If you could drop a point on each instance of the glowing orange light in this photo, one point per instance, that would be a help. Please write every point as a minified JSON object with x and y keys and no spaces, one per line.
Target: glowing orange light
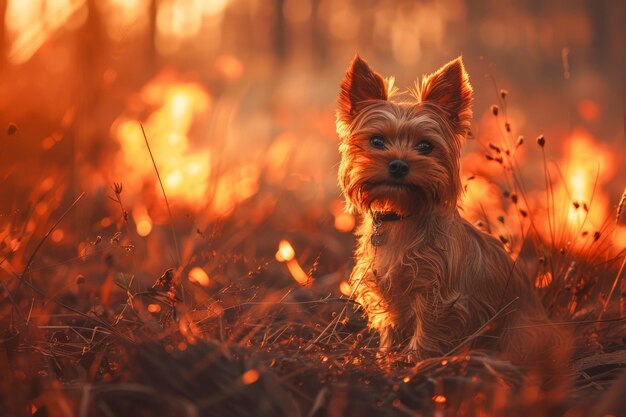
{"x":57,"y":235}
{"x":198,"y":275}
{"x":41,"y":208}
{"x":180,"y":20}
{"x":214,"y":310}
{"x":14,"y":244}
{"x":143,"y":222}
{"x":46,"y":184}
{"x":124,"y":16}
{"x":580,"y":203}
{"x":298,"y":273}
{"x":250,"y":376}
{"x":285,"y":251}
{"x":154,"y":308}
{"x":439,"y":399}
{"x":174,"y":179}
{"x":588,"y":110}
{"x":543,"y":280}
{"x":31,"y":23}
{"x":345,"y":288}
{"x":184,"y":168}
{"x":345,"y":222}
{"x":619,"y":238}
{"x":482,"y":201}
{"x":287,"y":254}
{"x":144,"y":227}
{"x":230,"y":66}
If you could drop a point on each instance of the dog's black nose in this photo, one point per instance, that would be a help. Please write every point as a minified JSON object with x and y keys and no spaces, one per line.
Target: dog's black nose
{"x":398,"y":168}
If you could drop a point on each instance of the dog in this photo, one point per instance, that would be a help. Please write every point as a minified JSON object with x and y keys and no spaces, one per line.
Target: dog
{"x":429,"y":282}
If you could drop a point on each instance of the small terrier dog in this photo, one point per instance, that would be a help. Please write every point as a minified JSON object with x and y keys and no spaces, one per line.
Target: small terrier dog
{"x":428,"y":280}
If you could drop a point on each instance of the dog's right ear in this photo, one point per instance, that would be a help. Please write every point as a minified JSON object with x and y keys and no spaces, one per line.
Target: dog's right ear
{"x":360,"y":85}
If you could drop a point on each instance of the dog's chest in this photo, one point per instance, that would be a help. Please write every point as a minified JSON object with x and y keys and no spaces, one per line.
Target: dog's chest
{"x":402,"y":272}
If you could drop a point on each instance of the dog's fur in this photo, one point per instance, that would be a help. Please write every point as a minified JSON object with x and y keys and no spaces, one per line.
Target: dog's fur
{"x":435,"y":282}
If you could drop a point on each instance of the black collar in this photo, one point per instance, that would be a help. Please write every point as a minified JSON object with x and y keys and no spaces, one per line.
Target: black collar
{"x":387,"y":216}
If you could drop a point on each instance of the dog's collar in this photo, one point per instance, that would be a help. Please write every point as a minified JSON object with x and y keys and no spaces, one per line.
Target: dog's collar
{"x":379,"y":217}
{"x":387,"y":216}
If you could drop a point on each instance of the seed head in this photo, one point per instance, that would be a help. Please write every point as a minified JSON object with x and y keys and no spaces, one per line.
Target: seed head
{"x":495,"y":148}
{"x":541,"y":140}
{"x":11,"y":129}
{"x":620,"y":206}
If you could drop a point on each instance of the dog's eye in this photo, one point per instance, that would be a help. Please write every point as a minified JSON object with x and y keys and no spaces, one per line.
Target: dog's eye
{"x":424,"y":147}
{"x":377,"y":142}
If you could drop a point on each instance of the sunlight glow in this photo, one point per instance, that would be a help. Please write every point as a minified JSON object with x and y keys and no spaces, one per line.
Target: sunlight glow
{"x":31,"y":23}
{"x":198,"y":275}
{"x":285,"y":251}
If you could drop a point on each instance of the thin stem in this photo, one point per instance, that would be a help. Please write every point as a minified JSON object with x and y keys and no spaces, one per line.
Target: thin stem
{"x":167,"y":203}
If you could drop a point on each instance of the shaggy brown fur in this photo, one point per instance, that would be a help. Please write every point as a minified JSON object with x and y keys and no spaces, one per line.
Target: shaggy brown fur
{"x":426,"y":278}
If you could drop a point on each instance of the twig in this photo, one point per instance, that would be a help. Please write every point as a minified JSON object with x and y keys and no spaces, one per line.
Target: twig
{"x":167,"y":203}
{"x":608,"y":298}
{"x":54,"y":226}
{"x":567,"y":323}
{"x":611,"y":358}
{"x":481,"y":328}
{"x":7,"y":256}
{"x":12,"y":300}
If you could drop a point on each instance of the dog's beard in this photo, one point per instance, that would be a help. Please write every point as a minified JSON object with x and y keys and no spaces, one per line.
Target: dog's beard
{"x":369,"y":191}
{"x":402,"y":198}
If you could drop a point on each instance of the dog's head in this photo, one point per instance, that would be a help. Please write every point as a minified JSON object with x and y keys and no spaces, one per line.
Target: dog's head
{"x":402,"y":156}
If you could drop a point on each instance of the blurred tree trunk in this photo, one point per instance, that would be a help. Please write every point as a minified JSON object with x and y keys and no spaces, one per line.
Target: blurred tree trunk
{"x":152,"y":35}
{"x":598,"y":12}
{"x":90,"y":61}
{"x":3,"y":35}
{"x":92,"y":47}
{"x":319,"y":39}
{"x":280,"y":32}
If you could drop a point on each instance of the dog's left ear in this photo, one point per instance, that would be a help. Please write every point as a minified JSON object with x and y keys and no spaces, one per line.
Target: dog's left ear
{"x":360,"y":85}
{"x":449,"y":87}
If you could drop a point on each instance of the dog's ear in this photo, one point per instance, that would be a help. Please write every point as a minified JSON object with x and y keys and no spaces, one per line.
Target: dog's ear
{"x":449,"y":88}
{"x":360,"y":84}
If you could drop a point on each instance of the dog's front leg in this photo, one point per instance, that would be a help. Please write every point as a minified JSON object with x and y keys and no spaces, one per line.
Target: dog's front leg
{"x":386,"y":340}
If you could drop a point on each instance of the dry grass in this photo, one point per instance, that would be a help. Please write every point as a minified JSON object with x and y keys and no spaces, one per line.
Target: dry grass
{"x":101,"y":334}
